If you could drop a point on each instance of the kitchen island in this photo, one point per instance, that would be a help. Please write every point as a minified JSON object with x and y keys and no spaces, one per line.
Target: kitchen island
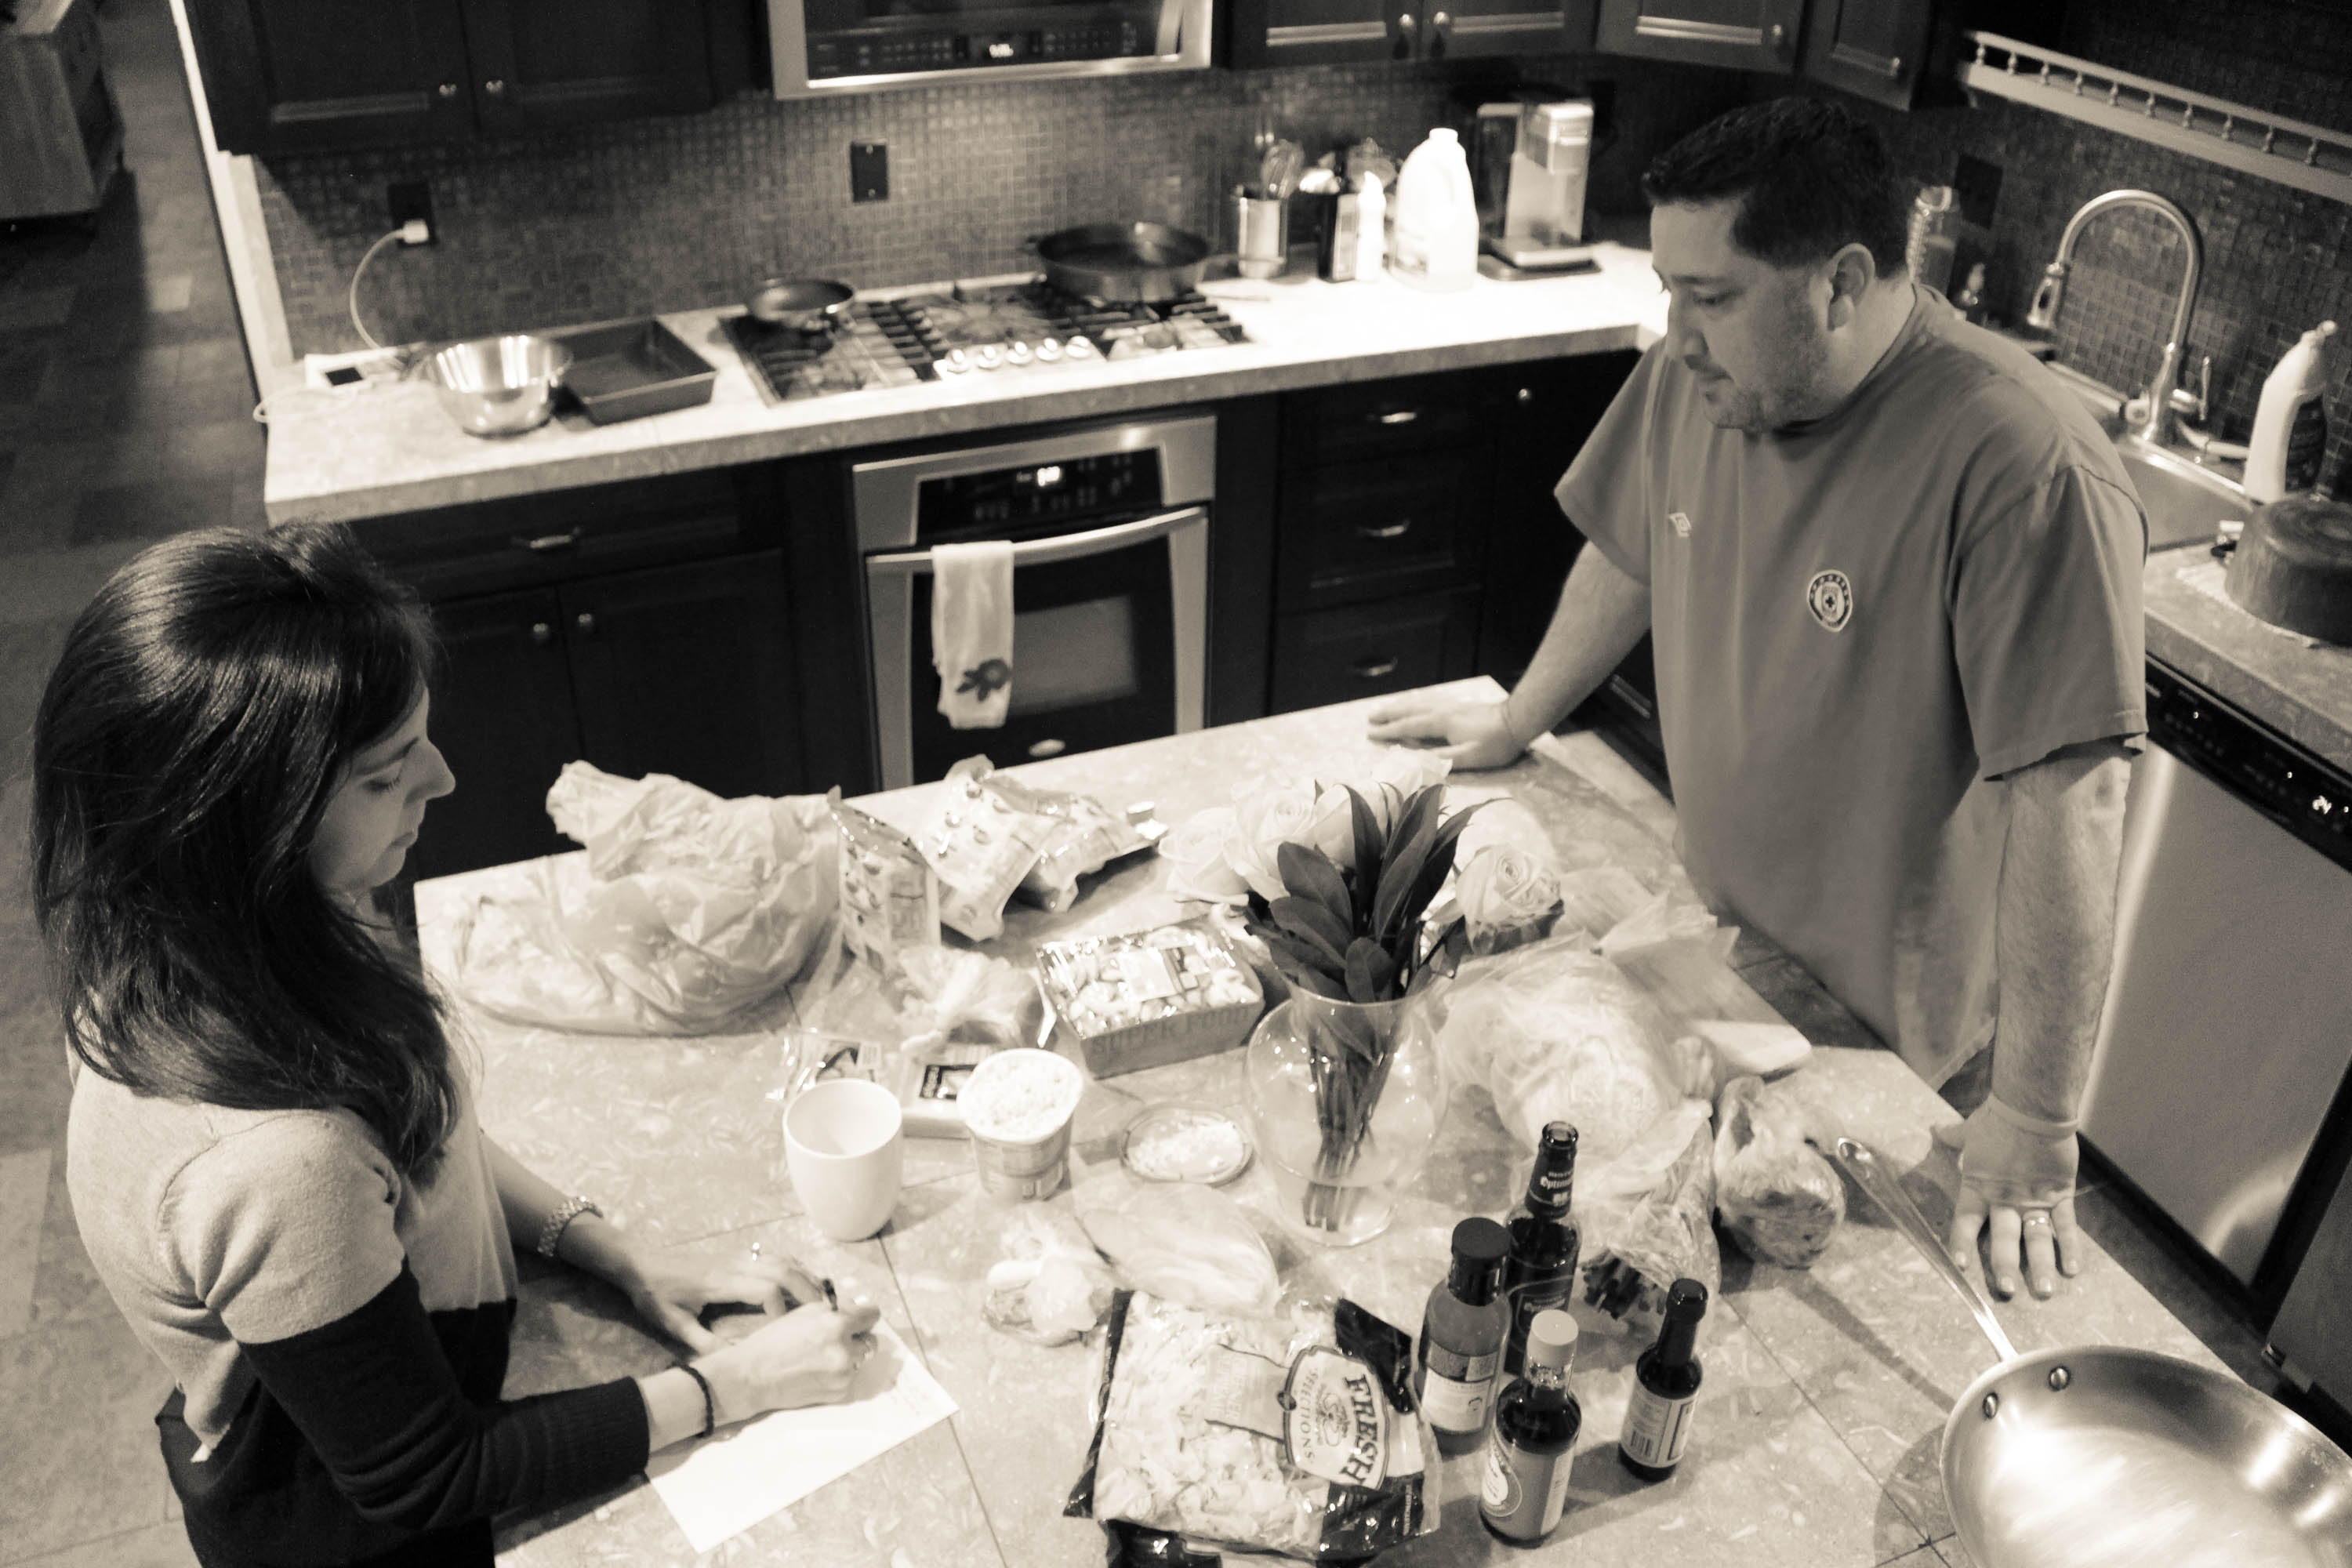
{"x":1826,"y":1389}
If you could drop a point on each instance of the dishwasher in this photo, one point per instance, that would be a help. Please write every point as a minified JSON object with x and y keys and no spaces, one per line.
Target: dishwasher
{"x":2218,"y":1085}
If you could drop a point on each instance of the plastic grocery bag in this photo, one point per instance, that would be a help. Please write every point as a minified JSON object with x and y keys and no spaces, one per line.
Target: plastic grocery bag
{"x":1647,"y":1219}
{"x":686,"y":909}
{"x":1296,"y":1434}
{"x":1186,"y":1244}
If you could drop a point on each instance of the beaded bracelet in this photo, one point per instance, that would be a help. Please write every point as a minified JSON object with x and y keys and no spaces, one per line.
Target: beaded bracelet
{"x":709,"y":1400}
{"x":551,"y":1234}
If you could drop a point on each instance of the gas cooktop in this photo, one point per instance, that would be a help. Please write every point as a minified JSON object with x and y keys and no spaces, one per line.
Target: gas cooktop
{"x":1025,"y":328}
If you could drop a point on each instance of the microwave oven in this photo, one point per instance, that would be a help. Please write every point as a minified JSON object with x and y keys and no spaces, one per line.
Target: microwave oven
{"x":827,"y":46}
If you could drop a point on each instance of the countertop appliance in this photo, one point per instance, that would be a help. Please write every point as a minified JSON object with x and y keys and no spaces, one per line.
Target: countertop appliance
{"x":2218,"y":1085}
{"x":1021,"y":326}
{"x":822,"y":47}
{"x":1109,"y":524}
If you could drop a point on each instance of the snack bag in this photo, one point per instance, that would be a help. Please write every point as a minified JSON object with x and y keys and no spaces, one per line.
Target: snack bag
{"x":1296,"y":1434}
{"x":982,"y":845}
{"x":1086,"y":837}
{"x":889,"y":899}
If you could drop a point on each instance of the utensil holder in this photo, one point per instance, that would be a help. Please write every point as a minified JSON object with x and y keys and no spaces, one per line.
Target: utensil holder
{"x":1261,"y":234}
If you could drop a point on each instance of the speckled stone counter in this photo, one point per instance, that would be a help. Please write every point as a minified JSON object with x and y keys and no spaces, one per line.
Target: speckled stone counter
{"x":1826,"y":1389}
{"x":2300,"y":688}
{"x":393,"y":449}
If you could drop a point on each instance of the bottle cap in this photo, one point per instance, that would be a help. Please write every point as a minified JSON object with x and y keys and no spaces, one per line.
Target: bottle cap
{"x":1559,"y":1133}
{"x":1551,"y":1338}
{"x":1686,"y":1298}
{"x":1480,"y":1241}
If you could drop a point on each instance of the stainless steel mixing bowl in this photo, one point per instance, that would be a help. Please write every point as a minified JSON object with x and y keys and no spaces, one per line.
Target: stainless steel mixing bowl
{"x":497,"y":386}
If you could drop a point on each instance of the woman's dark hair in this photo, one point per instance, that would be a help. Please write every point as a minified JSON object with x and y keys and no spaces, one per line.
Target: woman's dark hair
{"x":191,"y":735}
{"x":1810,"y":177}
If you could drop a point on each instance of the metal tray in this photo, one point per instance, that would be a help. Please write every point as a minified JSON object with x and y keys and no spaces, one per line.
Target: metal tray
{"x":626,"y":369}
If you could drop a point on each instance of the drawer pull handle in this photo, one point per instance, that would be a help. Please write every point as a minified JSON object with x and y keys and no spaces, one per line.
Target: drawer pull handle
{"x":1396,"y":530}
{"x":1397,"y":416}
{"x":1048,"y":748}
{"x":541,"y":633}
{"x":586,"y":621}
{"x":542,"y":544}
{"x":1373,"y":668}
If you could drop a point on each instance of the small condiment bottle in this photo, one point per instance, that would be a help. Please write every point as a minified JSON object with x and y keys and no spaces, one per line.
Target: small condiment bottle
{"x":1462,"y":1335}
{"x":1540,"y":1272}
{"x":1665,"y":1388}
{"x":1523,"y":1486}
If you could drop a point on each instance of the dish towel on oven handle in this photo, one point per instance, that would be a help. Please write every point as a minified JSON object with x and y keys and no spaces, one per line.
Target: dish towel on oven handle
{"x":972,"y":631}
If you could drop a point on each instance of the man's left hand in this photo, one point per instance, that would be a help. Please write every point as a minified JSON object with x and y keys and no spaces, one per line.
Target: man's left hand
{"x":2017,"y":1188}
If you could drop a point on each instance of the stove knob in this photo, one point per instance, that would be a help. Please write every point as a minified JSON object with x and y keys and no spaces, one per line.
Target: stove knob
{"x":1158,"y":335}
{"x":1048,"y":350}
{"x":1080,"y":348}
{"x":988,"y":356}
{"x":956,"y":362}
{"x":1017,"y":352}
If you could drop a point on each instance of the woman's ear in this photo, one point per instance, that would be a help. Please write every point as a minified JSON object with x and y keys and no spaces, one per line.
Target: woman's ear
{"x":1852,"y":272}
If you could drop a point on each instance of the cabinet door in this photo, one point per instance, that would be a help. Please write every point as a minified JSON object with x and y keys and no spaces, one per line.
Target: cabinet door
{"x":300,"y":76}
{"x":684,"y":670}
{"x":558,"y":62}
{"x":1323,"y":32}
{"x":1747,"y":35}
{"x":502,"y":715}
{"x":1508,"y":27}
{"x":1369,"y":650}
{"x":1873,"y":48}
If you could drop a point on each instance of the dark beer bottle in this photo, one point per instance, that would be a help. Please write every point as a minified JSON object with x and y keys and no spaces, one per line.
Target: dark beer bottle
{"x":1541,"y":1273}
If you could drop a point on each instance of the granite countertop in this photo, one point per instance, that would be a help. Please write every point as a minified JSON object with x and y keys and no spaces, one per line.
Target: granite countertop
{"x":1826,"y":1389}
{"x":391,"y":448}
{"x":2298,"y":687}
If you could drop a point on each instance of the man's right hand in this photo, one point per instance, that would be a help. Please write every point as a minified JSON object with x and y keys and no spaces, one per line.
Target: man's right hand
{"x":1470,"y":734}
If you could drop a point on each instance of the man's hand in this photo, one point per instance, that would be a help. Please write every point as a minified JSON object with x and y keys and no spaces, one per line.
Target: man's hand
{"x":2017,"y":1186}
{"x":1476,"y":734}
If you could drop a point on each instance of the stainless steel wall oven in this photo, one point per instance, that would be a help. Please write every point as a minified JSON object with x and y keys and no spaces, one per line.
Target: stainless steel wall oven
{"x":1110,"y":526}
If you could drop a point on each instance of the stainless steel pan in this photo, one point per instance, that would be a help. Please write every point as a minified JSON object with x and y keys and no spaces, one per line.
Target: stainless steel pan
{"x":1150,"y":263}
{"x":2098,"y":1456}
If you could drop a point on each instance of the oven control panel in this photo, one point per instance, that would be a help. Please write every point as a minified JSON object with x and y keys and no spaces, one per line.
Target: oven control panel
{"x":1002,"y":502}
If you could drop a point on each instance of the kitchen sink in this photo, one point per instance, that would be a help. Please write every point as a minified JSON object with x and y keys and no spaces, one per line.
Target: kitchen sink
{"x":2186,"y":502}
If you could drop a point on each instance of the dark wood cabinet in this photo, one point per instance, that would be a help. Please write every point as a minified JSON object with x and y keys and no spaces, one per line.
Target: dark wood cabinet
{"x":303,"y":76}
{"x":1876,"y":49}
{"x":1339,"y":32}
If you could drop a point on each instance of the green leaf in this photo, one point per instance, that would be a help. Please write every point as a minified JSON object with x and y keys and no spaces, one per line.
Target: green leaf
{"x":1289,"y":954}
{"x":1427,"y":879}
{"x":1365,"y":824}
{"x":1372,"y":973}
{"x":1409,"y":821}
{"x":1397,"y":879}
{"x":1310,"y":923}
{"x":1308,"y":976}
{"x":1308,"y":873}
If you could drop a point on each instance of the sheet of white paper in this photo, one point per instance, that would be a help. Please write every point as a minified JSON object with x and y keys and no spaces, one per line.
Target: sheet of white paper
{"x":734,"y":1479}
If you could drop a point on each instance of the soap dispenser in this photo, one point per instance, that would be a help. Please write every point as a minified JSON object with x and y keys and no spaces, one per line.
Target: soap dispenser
{"x":2291,"y":421}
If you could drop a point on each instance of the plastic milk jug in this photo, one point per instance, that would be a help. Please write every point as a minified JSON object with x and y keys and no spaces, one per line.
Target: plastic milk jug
{"x":1436,"y":216}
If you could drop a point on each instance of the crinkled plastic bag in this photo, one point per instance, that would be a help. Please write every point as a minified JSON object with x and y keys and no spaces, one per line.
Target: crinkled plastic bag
{"x":1646,"y":1218}
{"x":686,"y":909}
{"x":1185,"y":1243}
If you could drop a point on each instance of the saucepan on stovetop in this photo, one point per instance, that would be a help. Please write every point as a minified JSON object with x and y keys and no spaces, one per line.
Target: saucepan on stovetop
{"x":2100,"y":1457}
{"x":807,"y":305}
{"x":1124,"y":263}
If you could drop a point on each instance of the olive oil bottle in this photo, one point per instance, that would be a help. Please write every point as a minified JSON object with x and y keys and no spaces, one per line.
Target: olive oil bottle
{"x":1524,"y":1488}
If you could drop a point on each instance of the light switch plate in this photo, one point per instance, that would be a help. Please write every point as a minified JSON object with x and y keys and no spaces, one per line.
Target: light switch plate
{"x":869,"y":171}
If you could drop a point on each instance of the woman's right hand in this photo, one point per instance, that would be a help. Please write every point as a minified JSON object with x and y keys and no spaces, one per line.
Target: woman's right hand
{"x":808,"y":1356}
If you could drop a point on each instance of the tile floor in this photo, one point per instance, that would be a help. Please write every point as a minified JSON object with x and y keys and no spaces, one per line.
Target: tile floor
{"x":124,"y":415}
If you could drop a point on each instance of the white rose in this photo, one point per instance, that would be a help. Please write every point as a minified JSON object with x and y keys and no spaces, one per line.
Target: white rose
{"x":1196,"y":852}
{"x":1271,"y":816}
{"x":1504,"y":886}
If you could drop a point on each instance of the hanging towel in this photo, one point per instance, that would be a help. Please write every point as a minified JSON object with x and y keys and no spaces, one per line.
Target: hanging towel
{"x":972,"y":631}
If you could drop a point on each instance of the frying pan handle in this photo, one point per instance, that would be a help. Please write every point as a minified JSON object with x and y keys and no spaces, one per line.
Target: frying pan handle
{"x":1861,"y":1161}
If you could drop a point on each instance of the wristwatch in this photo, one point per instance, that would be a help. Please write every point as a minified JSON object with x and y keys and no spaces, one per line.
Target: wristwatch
{"x":559,"y":1219}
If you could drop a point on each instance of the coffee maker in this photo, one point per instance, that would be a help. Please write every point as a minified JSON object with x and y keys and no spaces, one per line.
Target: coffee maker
{"x":1527,"y":168}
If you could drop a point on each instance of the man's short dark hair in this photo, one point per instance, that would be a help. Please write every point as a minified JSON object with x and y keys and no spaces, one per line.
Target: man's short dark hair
{"x":1811,"y":176}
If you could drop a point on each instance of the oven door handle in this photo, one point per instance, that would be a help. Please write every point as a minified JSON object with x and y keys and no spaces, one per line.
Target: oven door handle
{"x":1063,"y":547}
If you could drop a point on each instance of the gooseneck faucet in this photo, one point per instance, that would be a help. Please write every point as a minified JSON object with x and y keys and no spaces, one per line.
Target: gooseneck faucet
{"x":2165,"y":396}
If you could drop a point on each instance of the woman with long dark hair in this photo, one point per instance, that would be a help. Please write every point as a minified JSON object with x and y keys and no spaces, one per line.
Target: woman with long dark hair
{"x":272,"y":1150}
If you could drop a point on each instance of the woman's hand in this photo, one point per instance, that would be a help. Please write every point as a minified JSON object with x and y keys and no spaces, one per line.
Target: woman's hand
{"x":671,"y":1292}
{"x":808,"y":1356}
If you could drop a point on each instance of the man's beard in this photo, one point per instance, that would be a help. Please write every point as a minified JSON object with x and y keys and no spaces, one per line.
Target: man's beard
{"x":1792,"y":395}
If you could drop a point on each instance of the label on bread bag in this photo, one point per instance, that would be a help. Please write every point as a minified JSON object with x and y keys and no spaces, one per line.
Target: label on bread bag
{"x":1326,"y":1408}
{"x":1657,"y":1429}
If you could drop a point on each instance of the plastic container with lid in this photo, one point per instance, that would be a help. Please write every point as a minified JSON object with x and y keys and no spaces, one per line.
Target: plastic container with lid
{"x":1436,"y":216}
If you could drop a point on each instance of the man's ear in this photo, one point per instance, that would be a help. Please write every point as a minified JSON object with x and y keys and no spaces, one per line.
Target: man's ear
{"x":1852,"y":272}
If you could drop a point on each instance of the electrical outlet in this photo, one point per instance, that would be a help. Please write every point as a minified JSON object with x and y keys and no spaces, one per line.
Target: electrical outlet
{"x":409,"y":201}
{"x":869,"y":171}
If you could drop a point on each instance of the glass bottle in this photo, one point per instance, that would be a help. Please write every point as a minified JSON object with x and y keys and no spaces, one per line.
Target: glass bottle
{"x":1461,"y":1336}
{"x":1665,"y":1388}
{"x":1540,"y":1272}
{"x":1524,"y":1487}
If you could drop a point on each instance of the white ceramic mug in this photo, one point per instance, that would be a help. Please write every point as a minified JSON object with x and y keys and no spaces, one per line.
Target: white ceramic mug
{"x":844,"y":1148}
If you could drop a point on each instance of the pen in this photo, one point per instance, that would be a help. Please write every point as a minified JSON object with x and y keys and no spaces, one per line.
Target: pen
{"x":830,"y":1299}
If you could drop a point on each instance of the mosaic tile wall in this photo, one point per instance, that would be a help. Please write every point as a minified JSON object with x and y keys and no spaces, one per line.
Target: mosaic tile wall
{"x":663,"y":215}
{"x":2278,"y":261}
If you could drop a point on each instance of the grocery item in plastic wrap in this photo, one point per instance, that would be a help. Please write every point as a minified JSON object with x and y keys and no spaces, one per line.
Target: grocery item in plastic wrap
{"x":927,"y":1073}
{"x":1295,"y":1435}
{"x":1646,"y":1218}
{"x":1148,"y":998}
{"x":1086,"y":836}
{"x":982,"y":845}
{"x":970,"y":996}
{"x":1175,"y":1143}
{"x":1050,"y":1286}
{"x":889,"y":896}
{"x":1776,"y":1195}
{"x":1183,"y":1243}
{"x":686,"y":909}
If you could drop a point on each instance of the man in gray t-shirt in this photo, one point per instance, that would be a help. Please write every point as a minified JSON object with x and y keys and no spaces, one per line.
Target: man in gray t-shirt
{"x":1891,"y":572}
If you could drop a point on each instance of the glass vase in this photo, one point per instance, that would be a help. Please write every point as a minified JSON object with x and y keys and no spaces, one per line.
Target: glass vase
{"x":1344,"y":1102}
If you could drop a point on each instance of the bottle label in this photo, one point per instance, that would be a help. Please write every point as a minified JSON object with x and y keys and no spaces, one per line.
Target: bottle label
{"x":1657,"y":1429}
{"x":1522,"y":1494}
{"x":1458,"y":1389}
{"x":2307,"y":445}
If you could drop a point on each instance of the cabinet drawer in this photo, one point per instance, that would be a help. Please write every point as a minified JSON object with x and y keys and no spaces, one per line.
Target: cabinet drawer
{"x":1376,"y":418}
{"x":1367,"y":531}
{"x":1366,"y":650}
